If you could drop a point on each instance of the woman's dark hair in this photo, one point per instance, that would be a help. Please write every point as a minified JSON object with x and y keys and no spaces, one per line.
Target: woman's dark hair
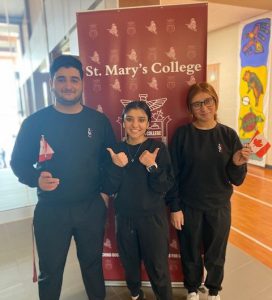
{"x":203,"y":87}
{"x":66,"y":61}
{"x":137,"y":105}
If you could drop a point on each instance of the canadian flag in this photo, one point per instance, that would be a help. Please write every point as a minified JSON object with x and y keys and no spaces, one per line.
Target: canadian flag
{"x":259,"y":145}
{"x":46,"y":152}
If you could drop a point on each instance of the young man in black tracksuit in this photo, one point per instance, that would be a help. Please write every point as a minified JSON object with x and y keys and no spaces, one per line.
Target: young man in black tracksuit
{"x":140,"y":175}
{"x":61,"y":150}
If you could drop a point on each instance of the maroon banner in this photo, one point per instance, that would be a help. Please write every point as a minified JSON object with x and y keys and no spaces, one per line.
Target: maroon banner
{"x":151,"y":54}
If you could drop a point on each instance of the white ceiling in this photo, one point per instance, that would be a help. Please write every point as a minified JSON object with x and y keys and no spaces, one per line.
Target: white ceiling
{"x":260,"y":4}
{"x":219,"y":15}
{"x":228,"y":12}
{"x":222,"y":15}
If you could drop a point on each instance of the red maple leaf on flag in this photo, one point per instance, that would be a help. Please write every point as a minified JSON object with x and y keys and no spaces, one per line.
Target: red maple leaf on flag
{"x":46,"y":152}
{"x":258,"y":143}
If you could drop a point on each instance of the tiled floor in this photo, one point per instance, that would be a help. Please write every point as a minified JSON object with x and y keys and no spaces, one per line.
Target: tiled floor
{"x":245,"y":278}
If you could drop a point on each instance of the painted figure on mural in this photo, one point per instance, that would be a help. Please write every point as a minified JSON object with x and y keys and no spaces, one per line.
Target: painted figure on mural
{"x":208,"y":158}
{"x":140,"y":174}
{"x":254,"y":84}
{"x":67,"y":143}
{"x":255,"y":38}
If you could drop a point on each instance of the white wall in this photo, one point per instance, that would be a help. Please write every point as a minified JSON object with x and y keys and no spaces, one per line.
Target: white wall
{"x":223,"y":49}
{"x":61,"y":17}
{"x":38,"y":43}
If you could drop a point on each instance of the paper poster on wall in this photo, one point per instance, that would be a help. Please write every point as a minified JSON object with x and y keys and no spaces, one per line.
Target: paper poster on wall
{"x":254,"y":90}
{"x":152,"y":54}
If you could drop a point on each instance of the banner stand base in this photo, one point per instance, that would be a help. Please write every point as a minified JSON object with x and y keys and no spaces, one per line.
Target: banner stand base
{"x":202,"y":288}
{"x":144,"y":283}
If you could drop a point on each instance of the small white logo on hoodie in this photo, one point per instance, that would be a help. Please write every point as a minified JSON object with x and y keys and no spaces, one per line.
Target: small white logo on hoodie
{"x":90,"y":133}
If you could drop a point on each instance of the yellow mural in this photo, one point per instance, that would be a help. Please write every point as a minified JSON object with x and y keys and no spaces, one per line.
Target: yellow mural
{"x":253,"y":82}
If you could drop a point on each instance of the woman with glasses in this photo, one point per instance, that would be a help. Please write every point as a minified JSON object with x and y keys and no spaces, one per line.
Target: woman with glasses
{"x":208,"y":158}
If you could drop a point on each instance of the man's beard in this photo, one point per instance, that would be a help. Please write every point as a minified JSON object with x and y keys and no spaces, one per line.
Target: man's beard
{"x":65,"y":102}
{"x":68,"y":102}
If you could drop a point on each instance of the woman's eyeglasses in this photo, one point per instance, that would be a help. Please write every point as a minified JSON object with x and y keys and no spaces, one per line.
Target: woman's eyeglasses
{"x":209,"y":102}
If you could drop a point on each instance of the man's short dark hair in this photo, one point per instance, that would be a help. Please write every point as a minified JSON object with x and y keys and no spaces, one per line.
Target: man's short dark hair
{"x":66,"y":61}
